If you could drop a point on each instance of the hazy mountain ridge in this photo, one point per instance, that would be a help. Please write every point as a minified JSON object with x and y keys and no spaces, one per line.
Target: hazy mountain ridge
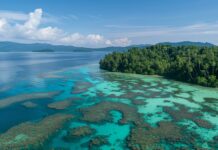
{"x":42,"y":47}
{"x":188,"y":43}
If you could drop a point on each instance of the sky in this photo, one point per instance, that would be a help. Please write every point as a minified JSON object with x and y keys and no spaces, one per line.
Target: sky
{"x":103,"y":23}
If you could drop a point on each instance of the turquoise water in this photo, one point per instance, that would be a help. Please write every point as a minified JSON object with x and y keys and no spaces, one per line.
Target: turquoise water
{"x":130,"y":111}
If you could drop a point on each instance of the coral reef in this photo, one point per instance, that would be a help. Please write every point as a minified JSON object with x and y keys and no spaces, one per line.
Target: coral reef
{"x":138,"y":102}
{"x":203,"y":123}
{"x":25,"y":97}
{"x":78,"y":132}
{"x":81,"y":87}
{"x":98,"y":141}
{"x":211,"y":100}
{"x":50,"y":76}
{"x":5,"y":88}
{"x":184,"y":113}
{"x":60,"y":105}
{"x":29,"y":104}
{"x":32,"y":135}
{"x":101,"y":112}
{"x":214,"y":142}
{"x":146,"y":138}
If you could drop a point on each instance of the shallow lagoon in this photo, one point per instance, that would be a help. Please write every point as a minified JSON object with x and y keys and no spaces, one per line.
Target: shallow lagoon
{"x":130,"y":111}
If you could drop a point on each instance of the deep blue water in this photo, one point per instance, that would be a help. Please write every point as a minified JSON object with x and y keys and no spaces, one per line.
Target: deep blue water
{"x":25,"y":66}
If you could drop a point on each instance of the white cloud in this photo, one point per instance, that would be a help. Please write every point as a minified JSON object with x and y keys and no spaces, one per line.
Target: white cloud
{"x":108,"y":42}
{"x":122,"y":42}
{"x":48,"y":33}
{"x":95,"y":38}
{"x":29,"y":29}
{"x":73,"y":38}
{"x":79,"y":39}
{"x":10,"y":15}
{"x":92,"y":40}
{"x":34,"y":19}
{"x":33,"y":27}
{"x":204,"y":32}
{"x":3,"y":24}
{"x":13,"y":16}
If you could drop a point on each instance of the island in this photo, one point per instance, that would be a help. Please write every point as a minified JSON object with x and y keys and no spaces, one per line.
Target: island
{"x":44,"y":50}
{"x":192,"y":64}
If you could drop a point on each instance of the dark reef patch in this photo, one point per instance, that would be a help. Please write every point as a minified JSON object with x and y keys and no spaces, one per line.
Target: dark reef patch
{"x":169,"y":134}
{"x":29,"y":104}
{"x":5,"y":102}
{"x":78,"y":132}
{"x":181,"y":113}
{"x":138,"y":102}
{"x":31,"y":135}
{"x":184,"y":113}
{"x":142,"y":138}
{"x":60,"y":105}
{"x":98,"y":141}
{"x":101,"y":112}
{"x":214,"y":142}
{"x":211,"y":100}
{"x":81,"y":87}
{"x":203,"y":123}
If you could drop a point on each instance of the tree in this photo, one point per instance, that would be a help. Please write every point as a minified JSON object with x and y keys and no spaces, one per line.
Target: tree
{"x":198,"y":65}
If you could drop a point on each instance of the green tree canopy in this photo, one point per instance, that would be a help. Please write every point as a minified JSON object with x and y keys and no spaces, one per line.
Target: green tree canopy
{"x":193,"y":64}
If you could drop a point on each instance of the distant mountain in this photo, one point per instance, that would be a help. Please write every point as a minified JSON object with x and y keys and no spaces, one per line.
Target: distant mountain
{"x":44,"y":50}
{"x":20,"y":47}
{"x":41,"y":47}
{"x":187,"y":43}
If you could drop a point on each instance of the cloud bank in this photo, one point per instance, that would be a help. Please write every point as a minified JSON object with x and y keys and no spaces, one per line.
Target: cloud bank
{"x":32,"y":27}
{"x":203,"y":32}
{"x":29,"y":28}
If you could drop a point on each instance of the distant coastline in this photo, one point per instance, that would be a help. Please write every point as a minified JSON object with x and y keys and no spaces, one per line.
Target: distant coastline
{"x":44,"y":47}
{"x":44,"y":50}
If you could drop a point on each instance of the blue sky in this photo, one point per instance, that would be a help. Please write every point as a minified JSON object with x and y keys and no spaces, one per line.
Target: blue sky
{"x":101,"y":23}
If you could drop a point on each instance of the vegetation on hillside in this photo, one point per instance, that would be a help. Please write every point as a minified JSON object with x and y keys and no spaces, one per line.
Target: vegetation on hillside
{"x":193,"y":64}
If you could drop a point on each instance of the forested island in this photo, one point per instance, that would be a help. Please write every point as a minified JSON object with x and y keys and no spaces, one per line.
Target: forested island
{"x":192,"y":64}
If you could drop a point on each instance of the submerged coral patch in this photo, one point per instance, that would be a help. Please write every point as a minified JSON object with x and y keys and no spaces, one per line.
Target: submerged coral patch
{"x":183,"y":113}
{"x":5,"y":88}
{"x":211,"y":100}
{"x":32,"y":135}
{"x":101,"y":112}
{"x":203,"y":123}
{"x":81,"y":87}
{"x":50,"y":76}
{"x":78,"y":132}
{"x":214,"y":143}
{"x":29,"y":104}
{"x":138,"y":102}
{"x":98,"y":141}
{"x":25,"y":97}
{"x":60,"y":105}
{"x":147,"y":138}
